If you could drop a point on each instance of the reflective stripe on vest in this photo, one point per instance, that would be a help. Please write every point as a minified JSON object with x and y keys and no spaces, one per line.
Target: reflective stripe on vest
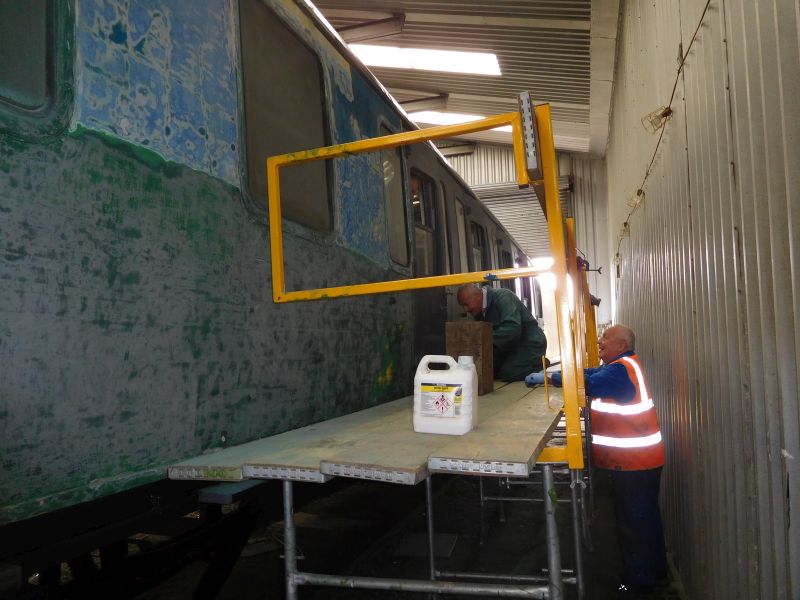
{"x":636,"y":408}
{"x":630,"y":442}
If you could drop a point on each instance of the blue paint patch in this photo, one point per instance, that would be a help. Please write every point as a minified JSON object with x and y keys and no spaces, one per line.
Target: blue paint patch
{"x":361,"y":209}
{"x":147,"y":73}
{"x":118,"y":34}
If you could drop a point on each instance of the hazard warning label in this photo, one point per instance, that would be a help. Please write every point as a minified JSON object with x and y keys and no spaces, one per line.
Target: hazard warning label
{"x":440,"y":400}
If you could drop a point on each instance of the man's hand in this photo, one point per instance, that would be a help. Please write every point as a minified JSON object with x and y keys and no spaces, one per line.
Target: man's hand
{"x":535,"y":379}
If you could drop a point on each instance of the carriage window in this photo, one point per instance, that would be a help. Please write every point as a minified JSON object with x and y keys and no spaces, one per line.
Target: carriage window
{"x":527,"y":298}
{"x":506,"y":262}
{"x":395,"y":204}
{"x":479,"y":248}
{"x":276,"y":123}
{"x":537,"y":300}
{"x":444,"y":237}
{"x":423,"y":201}
{"x":461,"y":224}
{"x":25,"y":72}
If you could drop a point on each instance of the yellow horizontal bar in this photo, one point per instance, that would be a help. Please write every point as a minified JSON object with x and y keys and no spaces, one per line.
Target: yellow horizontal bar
{"x":553,"y":454}
{"x":402,"y":285}
{"x":396,"y":139}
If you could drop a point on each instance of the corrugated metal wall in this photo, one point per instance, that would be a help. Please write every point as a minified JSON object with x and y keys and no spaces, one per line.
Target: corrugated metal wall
{"x":591,"y":229}
{"x":709,"y":277}
{"x":487,"y":164}
{"x":489,"y":169}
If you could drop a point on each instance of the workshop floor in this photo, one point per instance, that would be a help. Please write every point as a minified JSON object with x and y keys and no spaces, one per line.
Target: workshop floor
{"x":377,"y":529}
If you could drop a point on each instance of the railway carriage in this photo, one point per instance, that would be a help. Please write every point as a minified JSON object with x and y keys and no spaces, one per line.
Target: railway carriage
{"x":136,"y":321}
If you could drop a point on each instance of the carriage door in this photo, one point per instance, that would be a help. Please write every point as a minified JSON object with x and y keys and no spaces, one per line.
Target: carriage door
{"x":430,"y":304}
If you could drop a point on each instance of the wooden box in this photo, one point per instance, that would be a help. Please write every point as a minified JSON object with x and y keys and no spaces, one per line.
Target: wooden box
{"x":473,"y":338}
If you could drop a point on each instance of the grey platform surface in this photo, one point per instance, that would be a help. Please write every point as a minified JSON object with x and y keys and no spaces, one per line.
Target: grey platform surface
{"x":514,"y":424}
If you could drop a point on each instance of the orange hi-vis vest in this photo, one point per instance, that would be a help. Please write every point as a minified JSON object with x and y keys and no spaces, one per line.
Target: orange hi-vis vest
{"x":625,"y":435}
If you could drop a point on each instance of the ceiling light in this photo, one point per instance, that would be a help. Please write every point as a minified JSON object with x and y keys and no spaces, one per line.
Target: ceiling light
{"x":476,"y":63}
{"x":432,"y":117}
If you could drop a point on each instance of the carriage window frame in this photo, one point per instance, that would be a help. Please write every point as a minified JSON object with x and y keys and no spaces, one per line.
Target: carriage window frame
{"x":424,"y":205}
{"x":445,"y":249}
{"x":536,"y":299}
{"x":394,"y":202}
{"x":304,"y":206}
{"x":49,"y":116}
{"x":505,"y":260}
{"x":424,"y":198}
{"x":479,"y":244}
{"x":461,"y":230}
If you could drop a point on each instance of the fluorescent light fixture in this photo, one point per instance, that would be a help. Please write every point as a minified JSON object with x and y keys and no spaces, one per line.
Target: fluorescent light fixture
{"x":542,"y":262}
{"x":432,"y":117}
{"x":476,"y":63}
{"x":441,"y":118}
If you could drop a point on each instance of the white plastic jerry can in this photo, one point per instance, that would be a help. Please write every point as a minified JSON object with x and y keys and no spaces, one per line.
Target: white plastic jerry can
{"x":445,"y":401}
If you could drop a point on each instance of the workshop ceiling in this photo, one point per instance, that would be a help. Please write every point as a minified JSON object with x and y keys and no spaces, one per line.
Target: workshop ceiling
{"x":562,"y":51}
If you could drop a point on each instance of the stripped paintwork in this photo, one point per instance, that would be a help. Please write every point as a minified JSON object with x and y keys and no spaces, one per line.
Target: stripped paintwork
{"x":136,"y":320}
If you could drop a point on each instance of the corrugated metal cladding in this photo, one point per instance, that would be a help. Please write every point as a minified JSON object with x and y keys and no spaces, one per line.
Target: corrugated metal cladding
{"x":489,"y":170}
{"x":710,"y":279}
{"x":591,"y":229}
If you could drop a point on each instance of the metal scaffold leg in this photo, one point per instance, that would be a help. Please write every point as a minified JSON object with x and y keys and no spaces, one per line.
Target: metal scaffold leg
{"x":576,"y":478}
{"x":553,"y":549}
{"x":290,"y":543}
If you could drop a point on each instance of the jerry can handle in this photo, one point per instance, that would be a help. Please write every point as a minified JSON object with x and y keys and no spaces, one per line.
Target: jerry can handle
{"x":437,"y":358}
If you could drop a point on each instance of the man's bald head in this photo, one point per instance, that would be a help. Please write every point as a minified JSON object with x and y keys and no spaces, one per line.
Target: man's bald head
{"x":616,"y":340}
{"x":470,"y":297}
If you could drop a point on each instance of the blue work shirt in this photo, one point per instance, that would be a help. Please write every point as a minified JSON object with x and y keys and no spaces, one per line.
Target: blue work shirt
{"x":606,"y":381}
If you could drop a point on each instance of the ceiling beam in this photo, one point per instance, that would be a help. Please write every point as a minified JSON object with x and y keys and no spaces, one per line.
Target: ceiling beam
{"x":603,"y":48}
{"x":512,"y":103}
{"x":372,"y":30}
{"x":438,"y":102}
{"x":462,"y":19}
{"x":458,"y":149}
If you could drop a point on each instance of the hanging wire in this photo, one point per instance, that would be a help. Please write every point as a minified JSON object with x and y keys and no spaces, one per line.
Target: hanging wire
{"x":668,"y":111}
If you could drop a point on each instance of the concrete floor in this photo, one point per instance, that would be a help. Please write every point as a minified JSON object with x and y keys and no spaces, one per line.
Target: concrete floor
{"x":378,"y":529}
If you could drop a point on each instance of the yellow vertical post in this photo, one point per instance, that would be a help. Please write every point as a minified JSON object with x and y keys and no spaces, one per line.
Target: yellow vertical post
{"x":275,"y":228}
{"x":555,"y":225}
{"x":591,"y":324}
{"x":578,"y":315}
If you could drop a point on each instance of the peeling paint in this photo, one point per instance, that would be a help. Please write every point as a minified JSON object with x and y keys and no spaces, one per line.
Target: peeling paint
{"x":136,"y":320}
{"x":152,"y":74}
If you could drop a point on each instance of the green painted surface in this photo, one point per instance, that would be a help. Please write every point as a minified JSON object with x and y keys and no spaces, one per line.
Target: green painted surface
{"x":137,"y":327}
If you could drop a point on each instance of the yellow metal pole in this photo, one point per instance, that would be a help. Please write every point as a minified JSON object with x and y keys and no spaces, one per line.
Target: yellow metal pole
{"x":546,"y":387}
{"x":399,"y":139}
{"x":275,"y":226}
{"x":519,"y":151}
{"x":555,"y":225}
{"x":275,"y":163}
{"x":578,"y":320}
{"x":404,"y":285}
{"x":553,"y":454}
{"x":591,"y":325}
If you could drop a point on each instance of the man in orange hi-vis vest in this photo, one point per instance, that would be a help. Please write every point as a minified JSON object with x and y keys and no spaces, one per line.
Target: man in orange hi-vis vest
{"x":627,"y":446}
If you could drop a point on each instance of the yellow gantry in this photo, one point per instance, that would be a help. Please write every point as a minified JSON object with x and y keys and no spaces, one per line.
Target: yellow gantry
{"x":275,"y":163}
{"x":573,"y":357}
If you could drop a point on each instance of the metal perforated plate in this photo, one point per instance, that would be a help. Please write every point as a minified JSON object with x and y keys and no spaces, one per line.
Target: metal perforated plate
{"x":477,"y":467}
{"x":284,"y":473}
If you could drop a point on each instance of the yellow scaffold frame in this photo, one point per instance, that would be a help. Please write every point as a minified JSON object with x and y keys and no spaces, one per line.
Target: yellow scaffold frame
{"x":573,"y":357}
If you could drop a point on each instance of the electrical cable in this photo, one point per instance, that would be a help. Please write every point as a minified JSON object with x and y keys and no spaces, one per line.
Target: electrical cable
{"x":668,"y":110}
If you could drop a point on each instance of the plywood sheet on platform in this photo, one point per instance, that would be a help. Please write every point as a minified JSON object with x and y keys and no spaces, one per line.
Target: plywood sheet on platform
{"x":380,"y":443}
{"x":293,"y":448}
{"x":398,"y":454}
